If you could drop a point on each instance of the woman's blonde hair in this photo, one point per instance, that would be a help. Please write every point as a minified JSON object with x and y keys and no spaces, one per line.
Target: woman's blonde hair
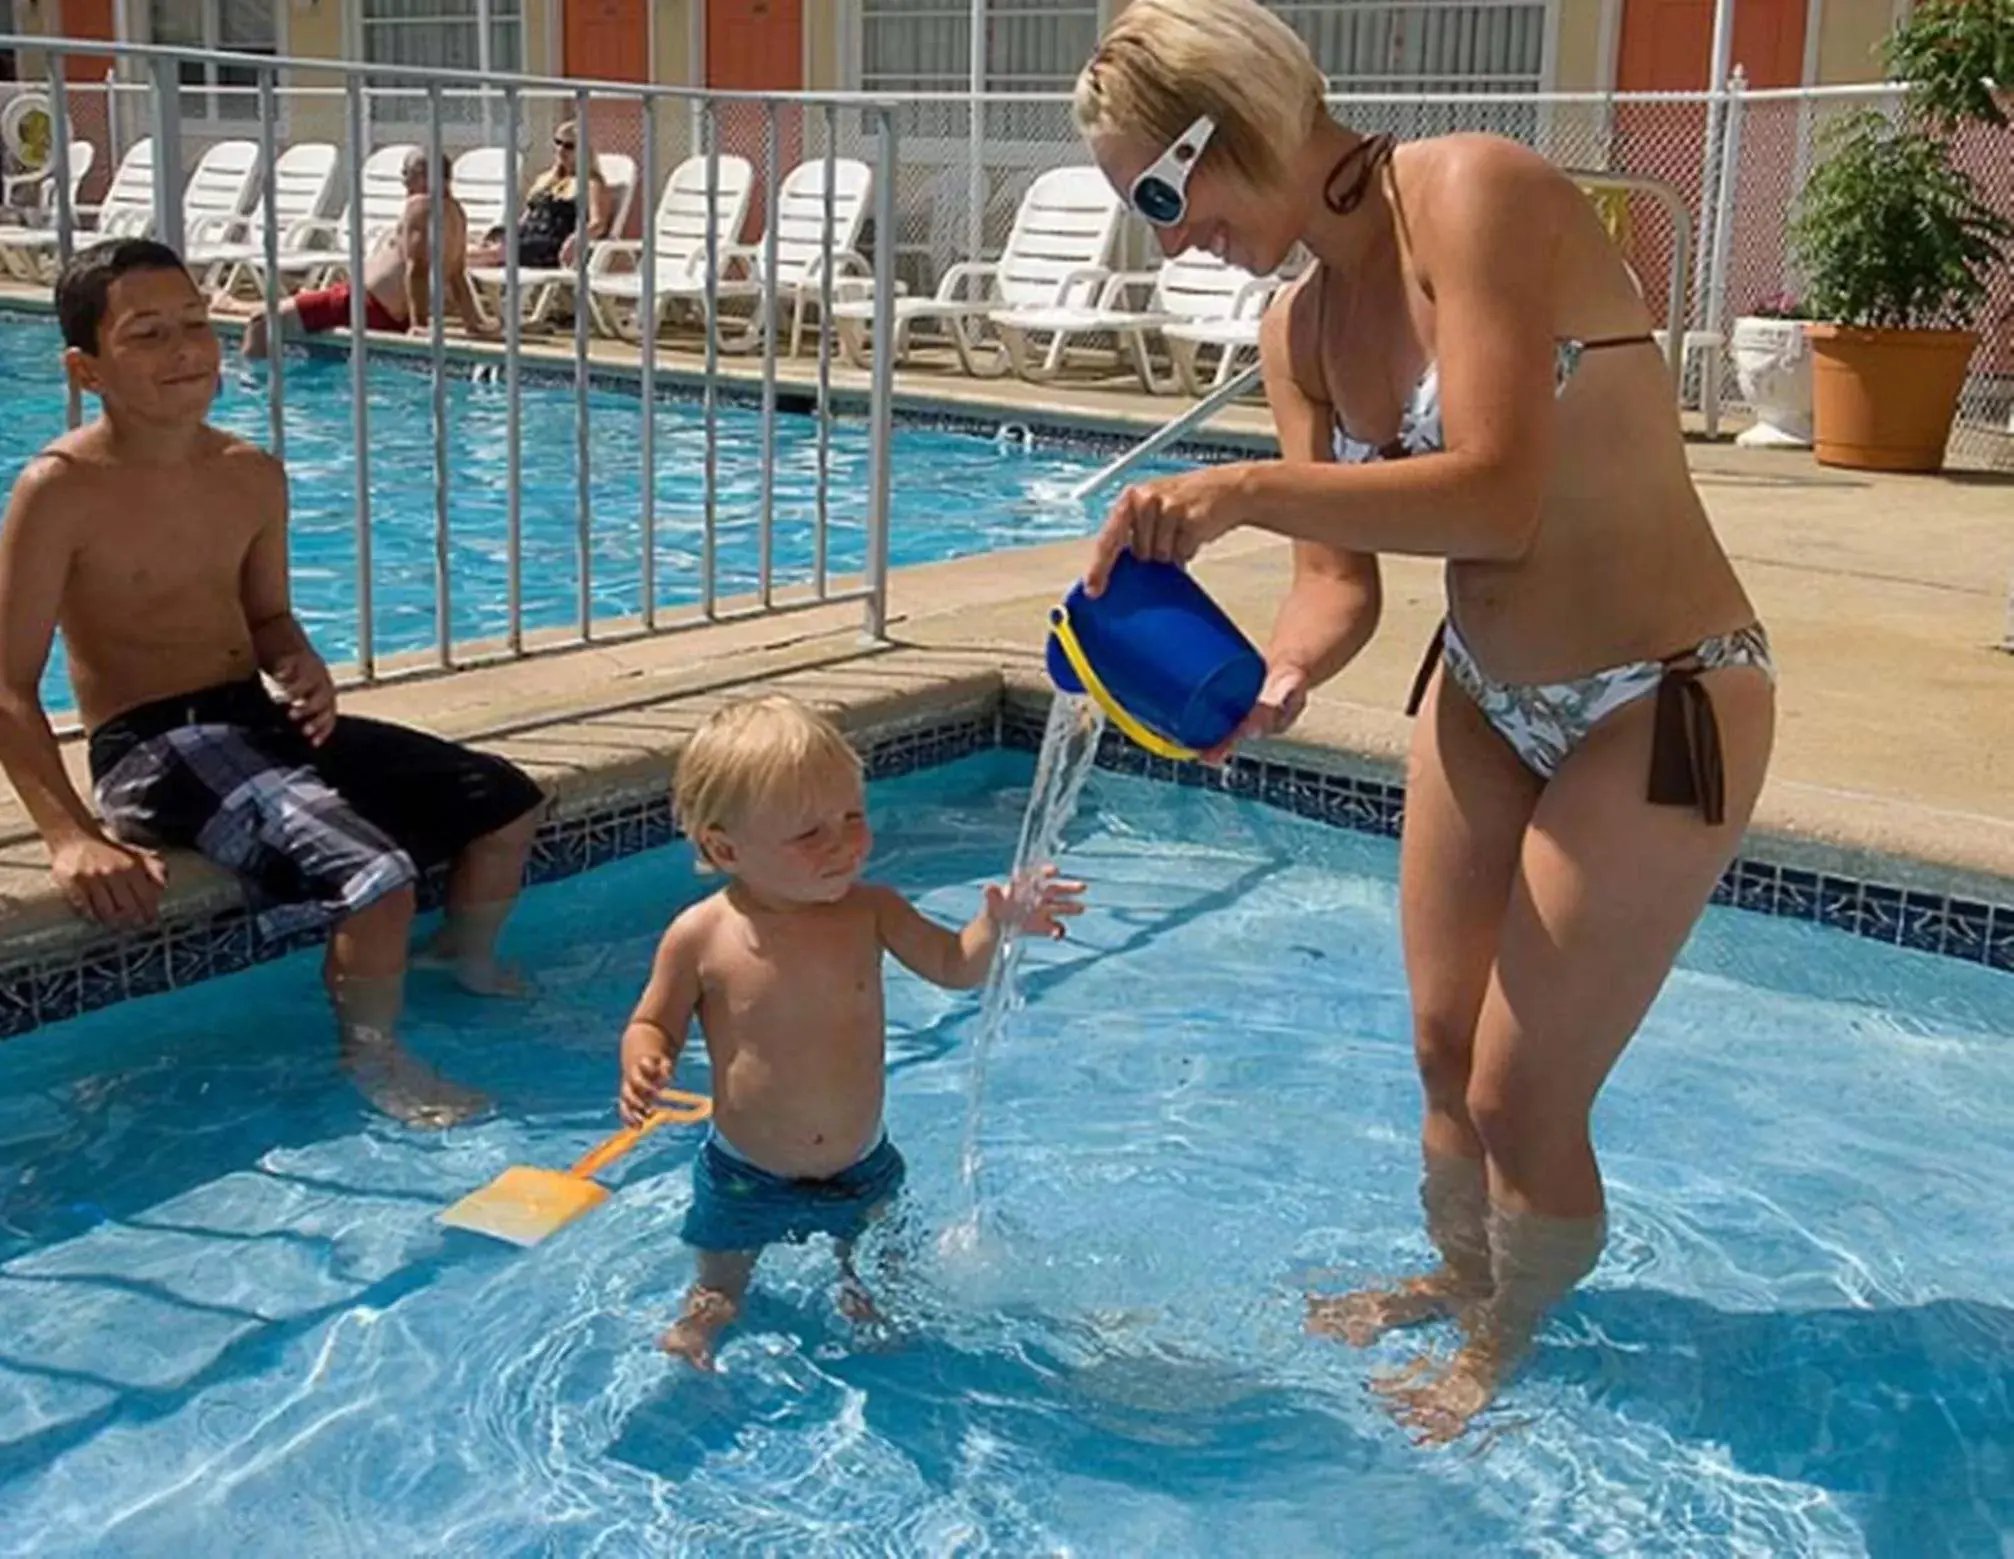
{"x":1163,"y":62}
{"x":548,"y":176}
{"x":767,"y":750}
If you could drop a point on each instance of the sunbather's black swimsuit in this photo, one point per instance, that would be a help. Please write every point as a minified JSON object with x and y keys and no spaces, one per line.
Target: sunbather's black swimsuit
{"x":546,"y":225}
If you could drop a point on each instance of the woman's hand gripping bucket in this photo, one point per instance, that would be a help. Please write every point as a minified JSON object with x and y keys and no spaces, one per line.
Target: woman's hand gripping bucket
{"x":1161,"y":658}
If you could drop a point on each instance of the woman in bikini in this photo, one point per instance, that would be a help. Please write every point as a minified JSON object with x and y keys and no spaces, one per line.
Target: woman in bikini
{"x":1466,"y":372}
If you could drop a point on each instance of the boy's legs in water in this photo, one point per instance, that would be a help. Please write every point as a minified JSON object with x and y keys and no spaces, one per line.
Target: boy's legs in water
{"x":364,"y":970}
{"x":711,"y":1304}
{"x":482,"y":891}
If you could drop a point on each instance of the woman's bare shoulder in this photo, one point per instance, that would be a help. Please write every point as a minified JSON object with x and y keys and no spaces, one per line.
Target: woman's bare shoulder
{"x":1460,"y":177}
{"x":1290,"y":333}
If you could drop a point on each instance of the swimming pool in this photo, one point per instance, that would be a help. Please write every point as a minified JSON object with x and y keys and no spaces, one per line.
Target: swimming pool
{"x":228,"y":1322}
{"x":951,"y":494}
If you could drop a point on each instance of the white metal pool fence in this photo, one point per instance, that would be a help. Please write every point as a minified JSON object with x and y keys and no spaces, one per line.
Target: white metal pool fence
{"x":1736,"y":156}
{"x":1697,"y":187}
{"x":852,"y":158}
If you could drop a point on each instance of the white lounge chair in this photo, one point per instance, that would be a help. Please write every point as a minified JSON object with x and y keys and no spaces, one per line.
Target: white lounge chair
{"x":541,"y":286}
{"x":798,"y":214}
{"x":616,"y":295}
{"x":1209,"y":303}
{"x":1058,"y":255}
{"x":1707,"y":345}
{"x":1613,"y":205}
{"x":1204,"y":300}
{"x":306,"y":191}
{"x":318,"y":249}
{"x":42,"y":215}
{"x":27,"y":134}
{"x":479,"y":186}
{"x":41,"y":208}
{"x":217,"y":201}
{"x":126,"y":211}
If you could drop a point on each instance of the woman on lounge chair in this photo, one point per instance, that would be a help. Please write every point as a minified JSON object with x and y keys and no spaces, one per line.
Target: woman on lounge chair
{"x":545,"y":229}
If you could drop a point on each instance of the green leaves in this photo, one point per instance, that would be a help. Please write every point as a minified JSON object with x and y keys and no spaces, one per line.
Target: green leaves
{"x":1948,"y":51}
{"x":1888,"y":233}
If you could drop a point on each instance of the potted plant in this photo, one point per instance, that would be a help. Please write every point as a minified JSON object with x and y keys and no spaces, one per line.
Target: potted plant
{"x":1894,"y":245}
{"x":1772,"y":365}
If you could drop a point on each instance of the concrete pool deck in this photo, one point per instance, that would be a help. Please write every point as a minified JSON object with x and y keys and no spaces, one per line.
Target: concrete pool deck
{"x":1884,"y":596}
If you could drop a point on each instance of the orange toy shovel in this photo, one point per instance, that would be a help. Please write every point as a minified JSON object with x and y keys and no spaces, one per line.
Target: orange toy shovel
{"x":524,"y":1205}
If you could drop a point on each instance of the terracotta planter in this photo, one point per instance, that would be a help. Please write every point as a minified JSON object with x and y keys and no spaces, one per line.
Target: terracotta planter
{"x":1884,"y":400}
{"x":1772,"y":369}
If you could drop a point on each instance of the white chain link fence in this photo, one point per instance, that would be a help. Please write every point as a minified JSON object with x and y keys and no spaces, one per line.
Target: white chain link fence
{"x":958,"y":190}
{"x":1774,"y":138}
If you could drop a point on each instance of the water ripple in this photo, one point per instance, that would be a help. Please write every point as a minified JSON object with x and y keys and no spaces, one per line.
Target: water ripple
{"x":229,"y":1321}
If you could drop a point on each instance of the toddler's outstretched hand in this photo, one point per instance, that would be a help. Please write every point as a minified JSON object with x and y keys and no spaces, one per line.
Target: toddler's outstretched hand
{"x":1037,"y":901}
{"x":646,"y":1070}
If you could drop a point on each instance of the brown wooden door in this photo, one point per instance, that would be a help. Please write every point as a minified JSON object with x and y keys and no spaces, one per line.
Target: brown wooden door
{"x":88,"y":122}
{"x":87,"y":19}
{"x":609,"y":40}
{"x":1667,"y":46}
{"x":757,"y":46}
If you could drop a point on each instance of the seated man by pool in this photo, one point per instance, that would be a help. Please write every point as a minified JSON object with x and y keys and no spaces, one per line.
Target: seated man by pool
{"x":159,"y":544}
{"x":397,"y":284}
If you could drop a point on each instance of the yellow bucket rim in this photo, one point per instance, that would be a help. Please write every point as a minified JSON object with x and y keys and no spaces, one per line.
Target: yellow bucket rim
{"x":1142,"y":735}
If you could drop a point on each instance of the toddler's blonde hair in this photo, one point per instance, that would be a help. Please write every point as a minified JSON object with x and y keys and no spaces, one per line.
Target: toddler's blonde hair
{"x":1163,"y":62}
{"x":771,"y":749}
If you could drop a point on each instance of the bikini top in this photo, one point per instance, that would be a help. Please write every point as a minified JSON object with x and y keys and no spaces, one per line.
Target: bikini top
{"x":1420,"y":422}
{"x":1420,"y":429}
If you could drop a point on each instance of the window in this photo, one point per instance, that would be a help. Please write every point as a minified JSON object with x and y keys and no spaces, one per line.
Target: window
{"x":239,"y":26}
{"x":1423,"y":45}
{"x":1429,"y":46}
{"x":925,"y":45}
{"x":910,"y":46}
{"x":1039,"y":45}
{"x":442,"y":35}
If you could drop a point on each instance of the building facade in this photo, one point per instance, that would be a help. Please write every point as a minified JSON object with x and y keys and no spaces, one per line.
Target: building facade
{"x":910,"y":46}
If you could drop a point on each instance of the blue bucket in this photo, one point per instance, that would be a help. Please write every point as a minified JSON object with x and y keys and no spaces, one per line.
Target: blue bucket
{"x":1169,"y":668}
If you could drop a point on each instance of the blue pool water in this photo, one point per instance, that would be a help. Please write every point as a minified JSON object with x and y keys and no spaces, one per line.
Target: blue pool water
{"x":229,"y":1323}
{"x":951,"y":494}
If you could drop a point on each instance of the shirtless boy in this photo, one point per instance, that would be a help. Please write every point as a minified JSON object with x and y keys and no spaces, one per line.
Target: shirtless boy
{"x":397,"y":285}
{"x":782,"y":968}
{"x":159,"y":545}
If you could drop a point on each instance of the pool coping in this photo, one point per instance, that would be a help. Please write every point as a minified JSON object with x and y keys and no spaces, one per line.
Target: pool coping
{"x":918,"y":713}
{"x":1871,"y":862}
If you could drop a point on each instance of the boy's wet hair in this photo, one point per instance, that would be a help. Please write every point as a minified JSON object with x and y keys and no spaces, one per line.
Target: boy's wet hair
{"x":84,"y":289}
{"x":771,"y":749}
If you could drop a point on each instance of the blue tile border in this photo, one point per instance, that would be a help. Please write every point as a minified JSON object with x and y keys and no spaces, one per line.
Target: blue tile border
{"x":35,"y":993}
{"x":2000,"y":938}
{"x":1963,"y":929}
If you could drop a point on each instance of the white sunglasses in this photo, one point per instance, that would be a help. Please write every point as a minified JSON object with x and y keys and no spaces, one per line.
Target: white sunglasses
{"x":1161,"y":194}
